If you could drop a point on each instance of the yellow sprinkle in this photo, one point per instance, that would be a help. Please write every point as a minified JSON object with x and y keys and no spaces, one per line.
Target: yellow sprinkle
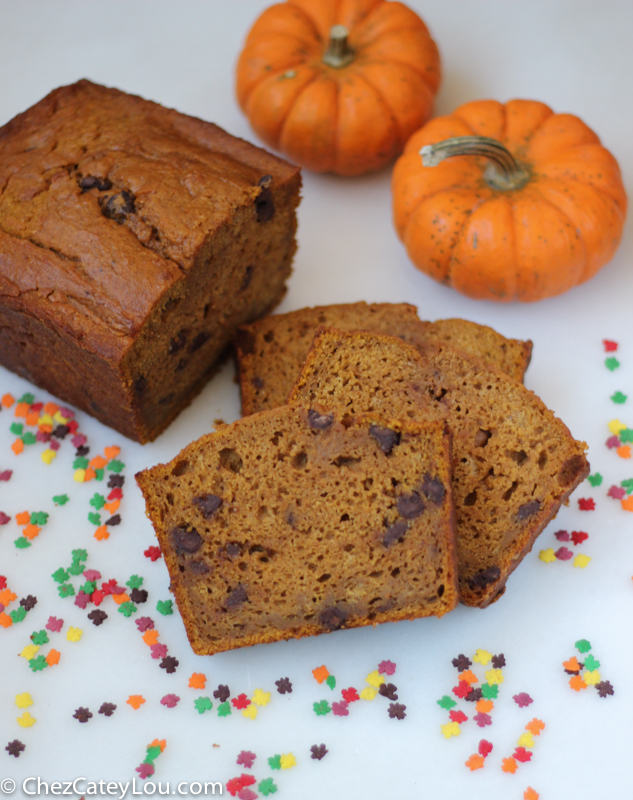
{"x":375,"y":678}
{"x":45,"y":419}
{"x":450,"y":729}
{"x":260,"y":697}
{"x":494,"y":676}
{"x":368,"y":693}
{"x":23,"y":700}
{"x":615,"y":426}
{"x":48,"y":456}
{"x":29,"y":651}
{"x":287,"y":760}
{"x":547,"y":555}
{"x":80,"y":475}
{"x":482,"y":657}
{"x":74,"y":634}
{"x":26,"y":720}
{"x":250,"y":711}
{"x":59,"y":418}
{"x":591,"y":678}
{"x":581,"y":560}
{"x":526,"y":740}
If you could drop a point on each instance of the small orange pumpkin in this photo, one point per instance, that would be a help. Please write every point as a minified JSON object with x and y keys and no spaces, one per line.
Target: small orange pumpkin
{"x":338,"y":85}
{"x":535,"y":209}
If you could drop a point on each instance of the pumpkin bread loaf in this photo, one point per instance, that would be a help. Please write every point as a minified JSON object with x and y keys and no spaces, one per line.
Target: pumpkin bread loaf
{"x":133,"y":242}
{"x":271,"y":351}
{"x":514,"y":462}
{"x":288,"y":523}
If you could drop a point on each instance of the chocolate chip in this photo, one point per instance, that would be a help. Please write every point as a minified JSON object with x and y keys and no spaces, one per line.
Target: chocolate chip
{"x":233,"y":550}
{"x":320,"y":422}
{"x":332,"y":618}
{"x":208,"y":504}
{"x":247,"y":278}
{"x":571,"y":469}
{"x":433,"y":489}
{"x":257,"y":382}
{"x":485,"y":576}
{"x":395,"y":532}
{"x":410,"y":506}
{"x":200,"y":339}
{"x":245,"y":341}
{"x":528,"y":509}
{"x":185,"y":541}
{"x":178,"y":342}
{"x":199,"y":567}
{"x":236,"y":597}
{"x":264,"y":206}
{"x":118,"y":206}
{"x":386,"y":438}
{"x":92,"y":182}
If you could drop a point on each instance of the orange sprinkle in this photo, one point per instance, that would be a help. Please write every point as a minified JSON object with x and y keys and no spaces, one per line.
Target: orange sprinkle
{"x":627,"y":503}
{"x":45,"y":427}
{"x":90,"y":474}
{"x":101,"y":533}
{"x":5,"y":620}
{"x":320,"y":673}
{"x":112,"y":451}
{"x":120,"y":598}
{"x":135,"y":700}
{"x":23,"y":518}
{"x":31,"y":531}
{"x":572,"y":664}
{"x":17,"y":446}
{"x":162,"y":743}
{"x":535,"y":726}
{"x":198,"y":680}
{"x":51,"y":408}
{"x":7,"y":596}
{"x":150,"y":636}
{"x":577,"y":684}
{"x":22,"y":409}
{"x":7,"y":400}
{"x":98,"y":462}
{"x":475,"y":762}
{"x":484,"y":705}
{"x":624,"y":451}
{"x":112,"y":506}
{"x":32,"y":417}
{"x":530,"y":794}
{"x":469,"y":676}
{"x":509,"y":765}
{"x":53,"y":658}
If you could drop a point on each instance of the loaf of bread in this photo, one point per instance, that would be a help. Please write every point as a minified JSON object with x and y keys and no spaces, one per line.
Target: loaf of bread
{"x":133,"y":242}
{"x":271,"y":351}
{"x":514,"y":462}
{"x":288,"y":523}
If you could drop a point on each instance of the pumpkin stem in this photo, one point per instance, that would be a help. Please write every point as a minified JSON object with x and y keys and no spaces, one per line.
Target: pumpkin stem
{"x":339,"y":53}
{"x":503,"y":172}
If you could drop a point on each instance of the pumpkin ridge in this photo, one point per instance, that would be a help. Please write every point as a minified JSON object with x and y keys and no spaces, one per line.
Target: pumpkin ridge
{"x":308,"y":19}
{"x":460,"y":234}
{"x":604,"y":192}
{"x":364,"y":52}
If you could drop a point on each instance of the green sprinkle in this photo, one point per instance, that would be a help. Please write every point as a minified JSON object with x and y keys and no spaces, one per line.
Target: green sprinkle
{"x":99,"y":473}
{"x":152,"y":754}
{"x":267,"y":786}
{"x":127,"y":609}
{"x":490,"y":691}
{"x":17,"y":428}
{"x":38,"y":663}
{"x":80,"y":463}
{"x":165,"y":607}
{"x":29,"y":438}
{"x":27,"y":398}
{"x":76,"y":568}
{"x":331,"y":682}
{"x":39,"y":637}
{"x":203,"y":704}
{"x":446,"y":702}
{"x":618,"y":397}
{"x":322,"y":708}
{"x":224,"y":709}
{"x":88,"y":587}
{"x":60,"y":575}
{"x":116,"y":466}
{"x":595,"y":480}
{"x":60,"y":499}
{"x":66,"y":590}
{"x":135,"y":582}
{"x":626,"y":435}
{"x":628,"y":485}
{"x":611,"y":363}
{"x":591,"y":663}
{"x":22,"y":543}
{"x":274,"y":762}
{"x":582,"y":645}
{"x":94,"y":518}
{"x":39,"y":518}
{"x":79,"y":555}
{"x":98,"y":501}
{"x":18,"y":614}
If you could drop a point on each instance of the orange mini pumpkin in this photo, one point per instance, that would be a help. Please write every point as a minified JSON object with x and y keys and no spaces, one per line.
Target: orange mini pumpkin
{"x":338,"y":85}
{"x":535,"y":208}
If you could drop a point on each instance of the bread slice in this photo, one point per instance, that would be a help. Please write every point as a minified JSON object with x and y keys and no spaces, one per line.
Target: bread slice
{"x":514,"y":462}
{"x":271,"y":351}
{"x":288,"y":524}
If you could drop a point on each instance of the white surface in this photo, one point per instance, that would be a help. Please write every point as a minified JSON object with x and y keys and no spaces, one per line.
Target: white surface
{"x":575,"y":56}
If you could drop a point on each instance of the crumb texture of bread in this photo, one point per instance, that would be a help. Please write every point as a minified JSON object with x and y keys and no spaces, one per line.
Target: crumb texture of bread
{"x":514,"y":462}
{"x":133,"y":242}
{"x":288,"y":523}
{"x":271,"y":351}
